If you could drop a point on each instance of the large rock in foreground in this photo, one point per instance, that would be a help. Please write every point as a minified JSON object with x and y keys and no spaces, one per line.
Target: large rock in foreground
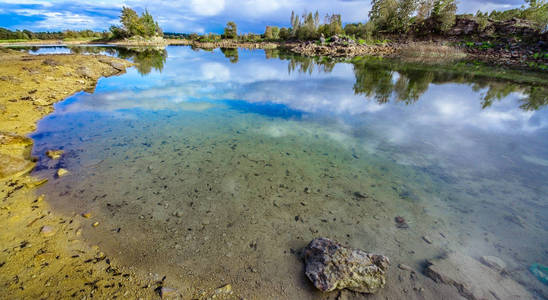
{"x":473,"y":279}
{"x":331,"y":266}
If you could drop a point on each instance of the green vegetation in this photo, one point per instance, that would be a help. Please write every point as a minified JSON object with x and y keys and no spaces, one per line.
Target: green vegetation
{"x":386,"y":19}
{"x":231,"y":31}
{"x":536,"y":12}
{"x":7,"y":35}
{"x":135,"y":26}
{"x":374,"y":78}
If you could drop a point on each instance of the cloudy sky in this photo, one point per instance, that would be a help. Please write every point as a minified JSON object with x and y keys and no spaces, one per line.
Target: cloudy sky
{"x":190,"y":15}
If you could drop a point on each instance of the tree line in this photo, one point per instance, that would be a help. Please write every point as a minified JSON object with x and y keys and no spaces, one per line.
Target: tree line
{"x":131,"y":25}
{"x":6,"y":34}
{"x":385,"y":17}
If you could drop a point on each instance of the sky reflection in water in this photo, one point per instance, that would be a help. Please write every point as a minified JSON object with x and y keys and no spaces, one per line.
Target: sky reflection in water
{"x":483,"y":143}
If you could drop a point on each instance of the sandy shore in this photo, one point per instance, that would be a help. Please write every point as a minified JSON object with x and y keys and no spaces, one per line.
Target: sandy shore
{"x":42,"y":254}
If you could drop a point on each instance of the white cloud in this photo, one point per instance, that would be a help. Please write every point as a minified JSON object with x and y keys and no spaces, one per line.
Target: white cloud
{"x":207,"y":7}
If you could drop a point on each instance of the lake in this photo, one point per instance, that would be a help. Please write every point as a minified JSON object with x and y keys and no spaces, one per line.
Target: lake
{"x":218,"y":167}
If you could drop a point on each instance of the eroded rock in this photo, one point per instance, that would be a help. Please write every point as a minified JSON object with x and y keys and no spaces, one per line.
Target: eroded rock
{"x":472,"y":279}
{"x":494,"y":263}
{"x":331,"y":266}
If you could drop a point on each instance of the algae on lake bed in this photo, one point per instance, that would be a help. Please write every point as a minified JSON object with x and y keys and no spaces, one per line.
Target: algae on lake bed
{"x":211,"y":172}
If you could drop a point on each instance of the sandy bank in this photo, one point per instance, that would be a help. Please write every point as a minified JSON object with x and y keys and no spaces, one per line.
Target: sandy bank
{"x":42,"y":255}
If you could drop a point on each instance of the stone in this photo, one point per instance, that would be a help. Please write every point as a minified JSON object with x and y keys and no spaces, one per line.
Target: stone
{"x":95,"y":224}
{"x":54,"y":154}
{"x":86,"y":214}
{"x":167,"y":292}
{"x":427,"y":239}
{"x":62,"y":172}
{"x":85,"y":72}
{"x":405,"y":267}
{"x":494,"y":263}
{"x":117,"y":65}
{"x":331,"y":266}
{"x":472,"y":279}
{"x":47,"y":231}
{"x":224,"y":290}
{"x":400,"y":222}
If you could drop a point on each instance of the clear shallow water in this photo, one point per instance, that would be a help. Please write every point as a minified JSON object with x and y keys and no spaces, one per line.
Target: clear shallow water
{"x":217,"y":167}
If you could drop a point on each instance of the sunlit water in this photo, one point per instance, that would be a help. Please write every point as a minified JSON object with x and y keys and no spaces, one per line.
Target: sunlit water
{"x":218,"y":167}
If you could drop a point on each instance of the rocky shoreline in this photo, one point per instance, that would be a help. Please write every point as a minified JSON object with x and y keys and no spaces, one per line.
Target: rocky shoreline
{"x":502,"y":53}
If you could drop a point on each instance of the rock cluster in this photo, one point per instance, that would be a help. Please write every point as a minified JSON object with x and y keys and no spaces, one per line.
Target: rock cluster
{"x":331,"y":266}
{"x":341,"y":49}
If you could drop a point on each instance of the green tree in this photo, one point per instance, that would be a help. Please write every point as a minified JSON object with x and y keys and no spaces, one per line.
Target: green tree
{"x":272,"y":33}
{"x":444,"y":13}
{"x":285,"y":34}
{"x":384,"y":14}
{"x":150,"y":27}
{"x":230,"y":31}
{"x":537,"y":12}
{"x":131,"y":22}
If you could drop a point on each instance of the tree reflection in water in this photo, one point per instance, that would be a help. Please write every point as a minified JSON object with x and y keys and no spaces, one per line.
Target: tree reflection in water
{"x":145,"y":58}
{"x":231,"y":54}
{"x":376,"y":78}
{"x":385,"y":79}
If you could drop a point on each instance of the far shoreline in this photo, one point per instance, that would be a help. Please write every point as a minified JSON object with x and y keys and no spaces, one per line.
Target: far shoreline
{"x":427,"y":51}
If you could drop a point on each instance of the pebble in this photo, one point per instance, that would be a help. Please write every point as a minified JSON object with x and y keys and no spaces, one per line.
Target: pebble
{"x":224,"y":290}
{"x":62,"y":172}
{"x":95,"y":224}
{"x":406,"y":268}
{"x":427,"y":239}
{"x":86,"y":214}
{"x":400,"y":222}
{"x":47,"y":231}
{"x":54,"y":154}
{"x":167,"y":292}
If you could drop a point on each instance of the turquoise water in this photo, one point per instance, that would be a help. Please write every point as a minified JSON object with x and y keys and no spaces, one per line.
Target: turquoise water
{"x":216,"y":167}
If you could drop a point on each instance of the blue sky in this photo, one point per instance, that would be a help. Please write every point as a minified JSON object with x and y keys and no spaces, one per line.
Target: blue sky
{"x":191,"y":15}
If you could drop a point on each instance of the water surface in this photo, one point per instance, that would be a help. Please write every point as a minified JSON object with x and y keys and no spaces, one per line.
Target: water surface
{"x":214,"y":167}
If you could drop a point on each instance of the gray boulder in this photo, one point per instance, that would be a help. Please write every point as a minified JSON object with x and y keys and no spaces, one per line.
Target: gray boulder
{"x":331,"y":266}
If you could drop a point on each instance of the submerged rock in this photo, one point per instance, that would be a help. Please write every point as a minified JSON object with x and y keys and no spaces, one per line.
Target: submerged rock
{"x":167,"y":292}
{"x":62,"y":172}
{"x":494,"y":263}
{"x":472,"y":279}
{"x":54,"y":154}
{"x":330,"y":266}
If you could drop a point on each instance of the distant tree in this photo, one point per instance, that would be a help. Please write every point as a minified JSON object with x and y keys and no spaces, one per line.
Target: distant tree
{"x":285,"y":34}
{"x":444,"y":13}
{"x":272,"y":33}
{"x":383,"y":14}
{"x":133,"y":25}
{"x":537,"y":12}
{"x":150,"y":27}
{"x":230,"y":31}
{"x":424,"y":9}
{"x":392,"y":15}
{"x":332,"y":25}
